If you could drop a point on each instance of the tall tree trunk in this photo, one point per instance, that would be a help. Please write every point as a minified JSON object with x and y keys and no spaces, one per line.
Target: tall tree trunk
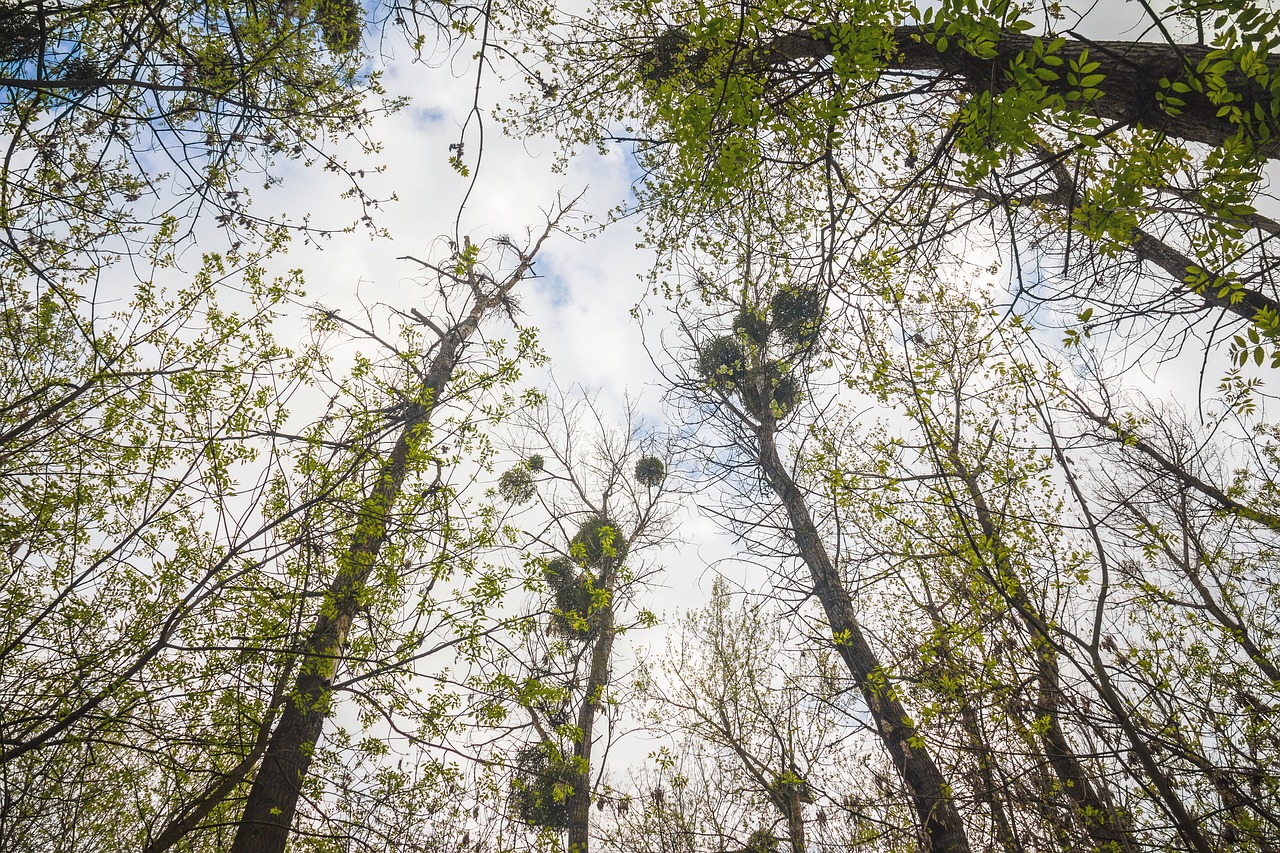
{"x":988,"y":792}
{"x":273,"y":798}
{"x":794,"y":812}
{"x":1107,"y":826}
{"x":597,"y":681}
{"x":930,"y":794}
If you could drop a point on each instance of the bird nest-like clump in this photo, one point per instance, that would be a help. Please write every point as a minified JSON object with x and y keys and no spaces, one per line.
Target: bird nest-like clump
{"x":722,"y":361}
{"x":766,"y":388}
{"x":516,"y":485}
{"x":573,"y":592}
{"x":775,"y":393}
{"x":797,"y":314}
{"x":542,"y":785}
{"x":598,"y":542}
{"x":752,"y":325}
{"x":650,"y":471}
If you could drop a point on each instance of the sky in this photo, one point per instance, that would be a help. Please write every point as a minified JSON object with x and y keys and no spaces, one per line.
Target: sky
{"x":588,"y":285}
{"x":582,"y":300}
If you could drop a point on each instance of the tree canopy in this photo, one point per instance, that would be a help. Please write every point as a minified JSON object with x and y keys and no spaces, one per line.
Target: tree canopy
{"x":955,"y":527}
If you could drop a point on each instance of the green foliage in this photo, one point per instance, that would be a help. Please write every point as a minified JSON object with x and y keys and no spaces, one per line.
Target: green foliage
{"x":767,"y":387}
{"x":543,"y":783}
{"x":770,"y":125}
{"x":762,"y":841}
{"x":534,"y":463}
{"x":340,"y":24}
{"x":516,"y":484}
{"x":772,"y":392}
{"x":191,"y":102}
{"x":125,"y":476}
{"x":599,"y":542}
{"x":574,"y":594}
{"x":797,"y":314}
{"x":721,"y":362}
{"x":650,"y":471}
{"x":751,"y":326}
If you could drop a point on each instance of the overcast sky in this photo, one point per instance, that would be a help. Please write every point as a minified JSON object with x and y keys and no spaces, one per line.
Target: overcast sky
{"x":582,"y":302}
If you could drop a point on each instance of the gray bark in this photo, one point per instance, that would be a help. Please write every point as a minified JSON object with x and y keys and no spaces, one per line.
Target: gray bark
{"x":931,"y":798}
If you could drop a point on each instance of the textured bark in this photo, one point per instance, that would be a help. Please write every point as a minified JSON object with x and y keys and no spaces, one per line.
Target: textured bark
{"x":1133,"y":72}
{"x":930,"y":794}
{"x":794,"y":812}
{"x":273,"y":798}
{"x":1244,"y":303}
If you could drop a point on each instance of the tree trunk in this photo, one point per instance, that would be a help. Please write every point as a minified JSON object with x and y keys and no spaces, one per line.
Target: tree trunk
{"x":930,"y":793}
{"x":1107,"y":827}
{"x":795,"y":820}
{"x":273,"y":798}
{"x":597,"y":681}
{"x":1133,"y":71}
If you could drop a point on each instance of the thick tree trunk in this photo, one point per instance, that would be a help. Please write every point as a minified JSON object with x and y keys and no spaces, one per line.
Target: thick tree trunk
{"x":1133,"y":71}
{"x":273,"y":799}
{"x":795,"y":821}
{"x":930,"y":794}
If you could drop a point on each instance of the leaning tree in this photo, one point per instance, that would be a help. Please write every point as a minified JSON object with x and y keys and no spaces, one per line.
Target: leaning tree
{"x":1124,"y":177}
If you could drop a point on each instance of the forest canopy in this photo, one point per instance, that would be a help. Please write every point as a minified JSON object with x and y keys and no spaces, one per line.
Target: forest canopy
{"x":911,"y":485}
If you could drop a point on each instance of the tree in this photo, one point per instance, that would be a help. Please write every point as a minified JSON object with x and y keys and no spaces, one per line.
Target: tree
{"x":876,"y":131}
{"x":1049,"y":611}
{"x":1038,"y":611}
{"x":380,"y":512}
{"x":762,"y":709}
{"x":127,"y":121}
{"x":1183,"y":549}
{"x":972,"y":504}
{"x":603,"y":500}
{"x":171,"y":537}
{"x":751,"y":377}
{"x":132,"y":509}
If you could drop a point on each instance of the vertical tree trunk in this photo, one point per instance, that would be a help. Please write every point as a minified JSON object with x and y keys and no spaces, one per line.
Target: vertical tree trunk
{"x":1106,"y":826}
{"x":273,"y":799}
{"x":931,"y":798}
{"x":795,"y":820}
{"x":597,"y":681}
